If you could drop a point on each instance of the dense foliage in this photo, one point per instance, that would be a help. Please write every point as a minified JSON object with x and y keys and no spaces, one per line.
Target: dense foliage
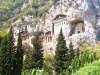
{"x":10,"y":10}
{"x":61,"y":54}
{"x":3,"y":33}
{"x":90,"y":69}
{"x":77,"y":63}
{"x":35,"y":72}
{"x":38,"y":52}
{"x":81,"y":60}
{"x":78,"y":58}
{"x":65,"y":61}
{"x":9,"y":54}
{"x":29,"y":61}
{"x":7,"y":8}
{"x":19,"y":57}
{"x":9,"y":63}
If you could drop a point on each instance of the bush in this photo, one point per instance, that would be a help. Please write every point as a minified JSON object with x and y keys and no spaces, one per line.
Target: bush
{"x":90,"y":69}
{"x":49,"y":63}
{"x":35,"y":72}
{"x":3,"y":33}
{"x":83,"y":59}
{"x":93,"y":49}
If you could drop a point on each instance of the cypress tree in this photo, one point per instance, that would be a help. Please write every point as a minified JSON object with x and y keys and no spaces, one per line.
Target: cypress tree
{"x":28,"y":62}
{"x":0,"y":40}
{"x":7,"y":54}
{"x":0,"y":58}
{"x":61,"y":54}
{"x":71,"y":52}
{"x":37,"y":52}
{"x":3,"y":55}
{"x":10,"y":53}
{"x":71,"y":57}
{"x":19,"y":56}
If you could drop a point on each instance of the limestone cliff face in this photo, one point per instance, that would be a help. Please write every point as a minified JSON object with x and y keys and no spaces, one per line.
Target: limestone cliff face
{"x":84,"y":9}
{"x":75,"y":17}
{"x":73,"y":9}
{"x":76,"y":10}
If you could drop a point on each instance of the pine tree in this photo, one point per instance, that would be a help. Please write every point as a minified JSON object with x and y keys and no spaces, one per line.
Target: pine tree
{"x":0,"y":40}
{"x":3,"y":55}
{"x":61,"y":54}
{"x":71,"y":57}
{"x":77,"y":52}
{"x":19,"y":56}
{"x":71,"y":52}
{"x":28,"y":62}
{"x":7,"y":54}
{"x":10,"y":53}
{"x":37,"y":52}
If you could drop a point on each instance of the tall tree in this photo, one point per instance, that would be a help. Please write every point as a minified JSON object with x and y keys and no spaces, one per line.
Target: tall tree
{"x":10,"y":53}
{"x":29,"y":61}
{"x":71,"y":52}
{"x":3,"y":55}
{"x":61,"y":54}
{"x":37,"y":52}
{"x":0,"y":40}
{"x":19,"y":56}
{"x":7,"y":54}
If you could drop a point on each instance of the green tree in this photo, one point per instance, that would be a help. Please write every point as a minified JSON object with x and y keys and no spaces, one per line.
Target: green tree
{"x":61,"y":54}
{"x":10,"y":53}
{"x":71,"y":52}
{"x":28,"y":62}
{"x":19,"y":56}
{"x":3,"y":55}
{"x":37,"y":52}
{"x":0,"y":40}
{"x":7,"y":54}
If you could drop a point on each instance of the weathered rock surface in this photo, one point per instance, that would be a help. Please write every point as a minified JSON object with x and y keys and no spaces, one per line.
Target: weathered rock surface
{"x":75,"y":17}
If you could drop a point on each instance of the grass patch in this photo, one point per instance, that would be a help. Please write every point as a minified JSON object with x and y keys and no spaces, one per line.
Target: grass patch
{"x":3,"y":33}
{"x":90,"y":69}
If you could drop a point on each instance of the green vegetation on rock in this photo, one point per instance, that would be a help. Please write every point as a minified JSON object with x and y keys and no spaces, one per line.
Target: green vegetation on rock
{"x":11,"y":10}
{"x":3,"y":33}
